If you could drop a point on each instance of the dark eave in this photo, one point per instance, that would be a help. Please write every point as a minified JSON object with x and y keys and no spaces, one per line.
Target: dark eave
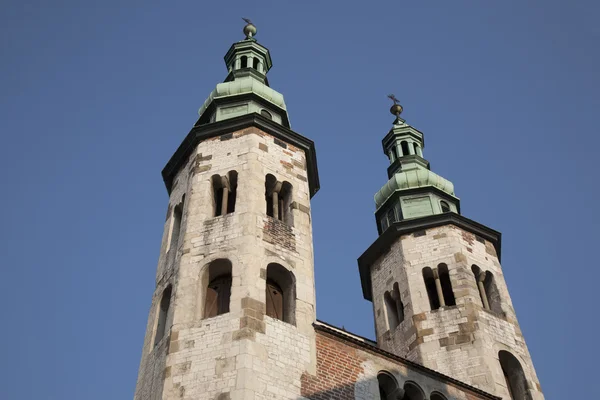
{"x":406,"y":227}
{"x":364,"y":344}
{"x":200,"y":133}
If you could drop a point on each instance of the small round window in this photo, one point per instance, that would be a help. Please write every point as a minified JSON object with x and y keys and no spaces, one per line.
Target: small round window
{"x":266,"y":114}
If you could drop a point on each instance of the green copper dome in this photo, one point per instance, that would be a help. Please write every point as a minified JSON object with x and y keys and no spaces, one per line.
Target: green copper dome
{"x":416,"y":178}
{"x":242,"y":86}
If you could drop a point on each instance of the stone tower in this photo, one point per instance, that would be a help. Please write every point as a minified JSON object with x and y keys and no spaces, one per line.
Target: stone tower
{"x":234,"y":303}
{"x":435,"y":280}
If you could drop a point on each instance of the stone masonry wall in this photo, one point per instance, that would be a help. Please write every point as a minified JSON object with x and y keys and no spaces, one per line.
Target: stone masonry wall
{"x":460,"y":341}
{"x":242,"y":354}
{"x":348,"y":370}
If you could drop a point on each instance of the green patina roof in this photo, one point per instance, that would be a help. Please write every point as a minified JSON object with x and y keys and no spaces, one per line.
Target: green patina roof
{"x":241,"y":86}
{"x":416,"y":178}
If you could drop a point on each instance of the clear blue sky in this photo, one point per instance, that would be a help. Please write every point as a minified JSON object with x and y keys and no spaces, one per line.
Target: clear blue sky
{"x":96,"y":96}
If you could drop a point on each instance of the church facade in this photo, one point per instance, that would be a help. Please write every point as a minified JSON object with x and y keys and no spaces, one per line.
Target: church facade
{"x":233,"y":311}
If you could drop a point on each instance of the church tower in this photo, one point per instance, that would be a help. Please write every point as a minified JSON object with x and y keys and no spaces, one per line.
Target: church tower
{"x":234,"y":304}
{"x":435,"y":280}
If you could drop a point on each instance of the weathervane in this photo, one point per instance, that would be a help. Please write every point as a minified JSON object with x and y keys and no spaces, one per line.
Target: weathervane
{"x":396,"y":109}
{"x":249,"y":29}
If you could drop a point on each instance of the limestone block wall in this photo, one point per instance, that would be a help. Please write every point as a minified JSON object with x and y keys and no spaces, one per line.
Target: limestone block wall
{"x":242,"y":354}
{"x":462,"y":341}
{"x":347,"y":368}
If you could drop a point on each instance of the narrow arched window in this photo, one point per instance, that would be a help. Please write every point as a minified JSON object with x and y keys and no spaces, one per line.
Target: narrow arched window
{"x":391,"y":310}
{"x":416,"y":148}
{"x":255,"y":62}
{"x":280,"y":296}
{"x":492,"y":292}
{"x":430,"y":286}
{"x":270,"y":199}
{"x":218,"y":289}
{"x":224,"y":193}
{"x":404,"y":146}
{"x":488,"y":291}
{"x":412,"y":391}
{"x":278,"y":197}
{"x":516,"y":382}
{"x":175,"y":230}
{"x":445,"y":206}
{"x":266,"y":114}
{"x":244,"y":62}
{"x":388,"y":386}
{"x":447,"y":291}
{"x":163,"y":313}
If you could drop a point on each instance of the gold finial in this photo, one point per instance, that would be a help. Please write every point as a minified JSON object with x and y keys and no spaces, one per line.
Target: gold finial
{"x":396,"y":109}
{"x":249,"y":29}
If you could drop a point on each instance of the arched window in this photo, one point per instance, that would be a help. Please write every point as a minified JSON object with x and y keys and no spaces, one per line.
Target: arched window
{"x":516,"y":382}
{"x":412,"y":391}
{"x":255,"y":62}
{"x":175,"y":230}
{"x":266,"y":114}
{"x":394,"y":307}
{"x":416,"y":148}
{"x":388,"y":386}
{"x":281,"y":294}
{"x":278,"y":197}
{"x":224,"y":193}
{"x":243,"y":62}
{"x":394,"y":154}
{"x":218,"y":289}
{"x":391,"y":310}
{"x":163,"y":313}
{"x":445,"y":206}
{"x":488,"y":291}
{"x":430,"y":285}
{"x":446,"y":285}
{"x":404,"y":145}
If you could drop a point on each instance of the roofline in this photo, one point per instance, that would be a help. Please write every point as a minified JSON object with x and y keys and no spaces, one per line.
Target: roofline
{"x":406,"y":227}
{"x":364,"y":343}
{"x":200,"y":133}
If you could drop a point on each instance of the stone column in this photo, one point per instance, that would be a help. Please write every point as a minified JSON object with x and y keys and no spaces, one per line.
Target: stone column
{"x":224,"y":200}
{"x":419,"y":151}
{"x":438,"y":287}
{"x":481,"y":286}
{"x":275,"y":197}
{"x":399,"y":148}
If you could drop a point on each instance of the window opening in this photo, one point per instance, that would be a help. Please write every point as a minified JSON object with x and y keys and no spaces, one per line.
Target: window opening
{"x":255,"y":62}
{"x":163,"y":313}
{"x":266,"y":114}
{"x":218,"y":289}
{"x":445,"y":206}
{"x":244,"y":62}
{"x":430,"y":286}
{"x":281,"y":293}
{"x":444,"y":275}
{"x":404,"y":145}
{"x":516,"y":382}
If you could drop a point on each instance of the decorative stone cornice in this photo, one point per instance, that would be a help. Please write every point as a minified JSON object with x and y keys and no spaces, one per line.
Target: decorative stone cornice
{"x":406,"y":227}
{"x":200,"y":133}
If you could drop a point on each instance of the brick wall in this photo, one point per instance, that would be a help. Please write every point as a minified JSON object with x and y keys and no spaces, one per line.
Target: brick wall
{"x":347,"y":368}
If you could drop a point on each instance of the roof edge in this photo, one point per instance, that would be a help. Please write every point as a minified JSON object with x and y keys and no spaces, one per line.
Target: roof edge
{"x":200,"y":133}
{"x":397,"y":229}
{"x":364,"y":343}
